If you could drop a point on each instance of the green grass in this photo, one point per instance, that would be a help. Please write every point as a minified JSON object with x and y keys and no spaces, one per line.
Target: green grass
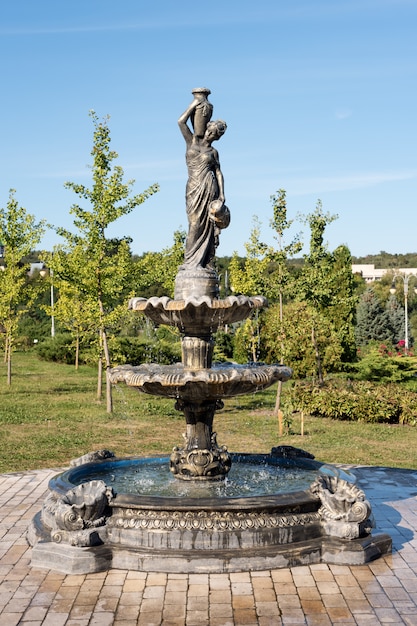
{"x":50,"y":415}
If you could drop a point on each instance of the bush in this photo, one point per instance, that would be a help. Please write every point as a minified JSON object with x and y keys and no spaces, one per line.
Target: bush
{"x":223,"y":347}
{"x":136,"y":350}
{"x":60,"y":349}
{"x":380,"y":364}
{"x":358,"y":401}
{"x":132,"y":350}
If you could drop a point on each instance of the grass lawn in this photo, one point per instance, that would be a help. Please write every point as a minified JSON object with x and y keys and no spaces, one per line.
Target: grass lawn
{"x":50,"y":415}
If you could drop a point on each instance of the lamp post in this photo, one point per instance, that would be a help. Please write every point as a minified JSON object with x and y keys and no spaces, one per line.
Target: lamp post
{"x":44,"y":272}
{"x":405,"y":278}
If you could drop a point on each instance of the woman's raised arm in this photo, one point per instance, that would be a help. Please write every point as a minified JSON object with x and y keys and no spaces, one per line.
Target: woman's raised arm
{"x":183,"y":119}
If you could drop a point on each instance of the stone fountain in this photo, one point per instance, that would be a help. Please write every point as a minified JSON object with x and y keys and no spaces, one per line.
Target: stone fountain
{"x":202,"y":509}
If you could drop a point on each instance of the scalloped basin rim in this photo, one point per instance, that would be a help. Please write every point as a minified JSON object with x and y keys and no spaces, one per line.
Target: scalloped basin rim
{"x":168,"y":304}
{"x":72,"y":477}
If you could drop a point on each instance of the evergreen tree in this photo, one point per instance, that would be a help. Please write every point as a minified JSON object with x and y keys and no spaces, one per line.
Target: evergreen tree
{"x":396,"y":319}
{"x":372,"y":320}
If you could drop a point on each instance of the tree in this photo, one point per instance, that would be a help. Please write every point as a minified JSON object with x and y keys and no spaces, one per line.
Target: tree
{"x":291,"y":339}
{"x":19,"y":234}
{"x":75,"y":308}
{"x":317,"y":282}
{"x":106,"y":264}
{"x":282,"y":277}
{"x":372,"y":320}
{"x":251,"y":277}
{"x":155,"y":272}
{"x":342,"y":312}
{"x":396,"y":319}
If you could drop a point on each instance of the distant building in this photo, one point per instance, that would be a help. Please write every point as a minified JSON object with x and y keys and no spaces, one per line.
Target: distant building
{"x":370,"y":274}
{"x":35,"y":267}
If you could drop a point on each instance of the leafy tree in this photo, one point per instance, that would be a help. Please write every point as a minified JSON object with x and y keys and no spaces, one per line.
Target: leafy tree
{"x":19,"y":234}
{"x":155,"y":272}
{"x":281,"y":284}
{"x":106,"y":265}
{"x":251,"y":277}
{"x":265,"y":271}
{"x":317,"y":282}
{"x":75,"y":308}
{"x":247,"y":340}
{"x":291,"y":339}
{"x":343,"y":309}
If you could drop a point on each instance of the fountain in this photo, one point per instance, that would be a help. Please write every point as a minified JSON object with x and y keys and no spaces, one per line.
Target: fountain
{"x":202,"y":509}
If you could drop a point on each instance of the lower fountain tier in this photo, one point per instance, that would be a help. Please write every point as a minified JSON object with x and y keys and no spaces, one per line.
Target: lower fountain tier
{"x":86,"y":527}
{"x":215,"y":383}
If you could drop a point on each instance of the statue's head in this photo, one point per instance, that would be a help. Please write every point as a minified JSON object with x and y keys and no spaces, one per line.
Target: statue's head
{"x":216,"y":129}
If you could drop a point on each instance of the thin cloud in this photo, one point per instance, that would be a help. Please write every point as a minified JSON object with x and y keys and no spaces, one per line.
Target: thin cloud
{"x":326,"y":184}
{"x":343,"y":114}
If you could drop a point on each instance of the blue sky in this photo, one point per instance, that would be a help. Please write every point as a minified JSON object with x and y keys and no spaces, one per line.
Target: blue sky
{"x":319,"y":97}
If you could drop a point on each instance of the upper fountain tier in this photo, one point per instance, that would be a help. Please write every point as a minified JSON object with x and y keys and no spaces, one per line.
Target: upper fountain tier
{"x":198,"y":315}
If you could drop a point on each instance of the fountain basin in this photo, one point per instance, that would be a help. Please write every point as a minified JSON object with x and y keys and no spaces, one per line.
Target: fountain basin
{"x":189,"y":531}
{"x":220,"y":381}
{"x":199,"y":314}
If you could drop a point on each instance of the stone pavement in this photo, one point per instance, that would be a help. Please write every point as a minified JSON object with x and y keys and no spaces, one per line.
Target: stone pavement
{"x":381,"y":592}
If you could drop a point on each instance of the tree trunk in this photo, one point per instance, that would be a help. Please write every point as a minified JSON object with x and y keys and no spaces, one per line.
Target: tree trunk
{"x":277,"y":409}
{"x":99,"y":377}
{"x":109,"y":399}
{"x":318,"y":357}
{"x":109,"y":395}
{"x":9,"y":362}
{"x":77,"y":352}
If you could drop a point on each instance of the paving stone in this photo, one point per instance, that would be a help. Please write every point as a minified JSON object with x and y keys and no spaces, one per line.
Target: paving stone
{"x":381,"y":592}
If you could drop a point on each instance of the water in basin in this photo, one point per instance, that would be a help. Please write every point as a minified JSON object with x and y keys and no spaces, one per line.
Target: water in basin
{"x":152,"y":478}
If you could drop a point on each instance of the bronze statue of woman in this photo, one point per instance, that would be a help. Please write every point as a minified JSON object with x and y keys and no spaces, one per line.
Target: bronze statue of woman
{"x":206,"y":210}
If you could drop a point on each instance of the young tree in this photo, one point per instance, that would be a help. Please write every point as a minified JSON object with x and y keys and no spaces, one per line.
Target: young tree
{"x":75,"y":308}
{"x":291,"y":339}
{"x":342,"y":312}
{"x":317,"y":282}
{"x":156,"y":271}
{"x":19,"y":234}
{"x":281,"y":283}
{"x":106,"y":263}
{"x":251,"y":277}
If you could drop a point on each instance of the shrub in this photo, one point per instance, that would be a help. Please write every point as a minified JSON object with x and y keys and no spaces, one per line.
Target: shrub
{"x":223,"y":347}
{"x":136,"y":350}
{"x":378,"y":364}
{"x":60,"y":349}
{"x":357,"y":400}
{"x":132,"y":350}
